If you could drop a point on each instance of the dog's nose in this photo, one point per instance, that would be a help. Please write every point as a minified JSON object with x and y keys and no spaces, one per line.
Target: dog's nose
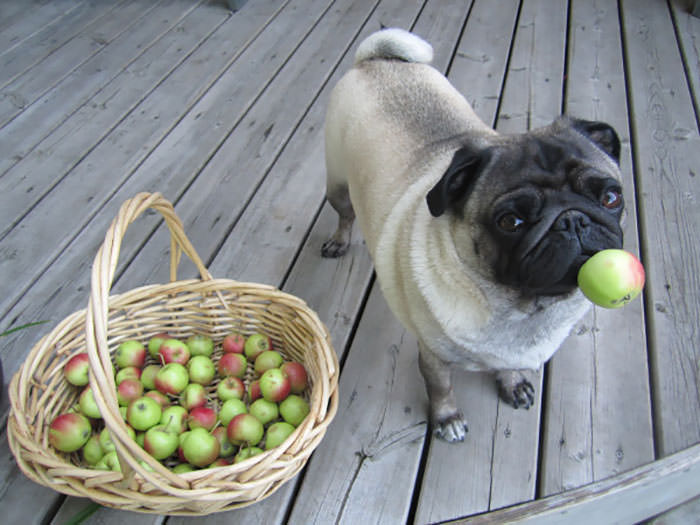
{"x":572,"y":221}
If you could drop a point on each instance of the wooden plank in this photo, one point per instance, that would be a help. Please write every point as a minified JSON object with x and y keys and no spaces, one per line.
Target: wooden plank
{"x":25,"y":185}
{"x":364,"y":469}
{"x":51,"y":38}
{"x":61,"y":60}
{"x":129,"y":143}
{"x":687,"y":25}
{"x":26,"y":24}
{"x":20,"y":137}
{"x":630,"y":497}
{"x":666,"y":157}
{"x":598,"y":417}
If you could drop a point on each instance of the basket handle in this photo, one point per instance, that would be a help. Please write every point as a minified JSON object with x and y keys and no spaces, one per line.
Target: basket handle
{"x":97,"y":313}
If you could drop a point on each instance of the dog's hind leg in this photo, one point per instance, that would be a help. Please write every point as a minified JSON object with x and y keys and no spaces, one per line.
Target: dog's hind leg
{"x":339,"y":197}
{"x":446,"y":419}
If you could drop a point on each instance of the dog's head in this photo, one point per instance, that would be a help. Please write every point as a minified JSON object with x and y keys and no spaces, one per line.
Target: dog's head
{"x":528,"y":210}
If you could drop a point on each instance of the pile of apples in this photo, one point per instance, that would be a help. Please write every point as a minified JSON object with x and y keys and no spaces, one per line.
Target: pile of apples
{"x":184,"y":408}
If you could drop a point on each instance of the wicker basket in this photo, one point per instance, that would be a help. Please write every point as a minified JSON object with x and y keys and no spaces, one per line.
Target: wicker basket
{"x":215,"y":307}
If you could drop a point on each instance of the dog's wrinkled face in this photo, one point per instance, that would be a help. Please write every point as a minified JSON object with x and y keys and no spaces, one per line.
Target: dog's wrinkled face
{"x":528,"y":211}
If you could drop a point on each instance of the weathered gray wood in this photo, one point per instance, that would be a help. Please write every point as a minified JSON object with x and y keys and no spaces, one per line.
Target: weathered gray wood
{"x":51,"y":38}
{"x":35,"y":79}
{"x":364,"y":469}
{"x":24,"y":24}
{"x":667,"y":156}
{"x":42,"y":117}
{"x":30,"y":180}
{"x":626,"y":498}
{"x":688,"y":28}
{"x":598,"y":418}
{"x":126,"y":147}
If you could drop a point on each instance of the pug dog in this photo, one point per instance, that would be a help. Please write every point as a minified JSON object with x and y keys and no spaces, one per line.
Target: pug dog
{"x":476,"y":237}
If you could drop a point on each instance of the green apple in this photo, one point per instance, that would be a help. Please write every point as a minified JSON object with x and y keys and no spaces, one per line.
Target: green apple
{"x":226,"y":448}
{"x":161,"y":441}
{"x":175,"y":415}
{"x":230,"y":388}
{"x":172,"y":379}
{"x":129,"y":372}
{"x":611,"y":278}
{"x":265,"y":411}
{"x":69,"y":432}
{"x":130,"y":353}
{"x":88,"y":405}
{"x":148,"y":376}
{"x":194,"y":395}
{"x":277,"y":433}
{"x":230,"y":409}
{"x":143,"y":413}
{"x":200,"y":448}
{"x":110,"y":461}
{"x":255,"y":344}
{"x":294,"y":409}
{"x":201,"y":369}
{"x":200,"y":345}
{"x":128,"y":390}
{"x":106,"y":442}
{"x":181,"y":468}
{"x":92,"y":450}
{"x":274,"y":385}
{"x":245,"y":453}
{"x":267,"y":360}
{"x":154,"y":344}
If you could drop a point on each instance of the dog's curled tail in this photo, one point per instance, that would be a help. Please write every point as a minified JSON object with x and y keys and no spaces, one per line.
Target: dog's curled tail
{"x":395,"y":43}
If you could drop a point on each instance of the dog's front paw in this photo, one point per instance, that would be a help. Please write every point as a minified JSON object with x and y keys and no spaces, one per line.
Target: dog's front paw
{"x":515,"y":389}
{"x":332,"y":248}
{"x":451,"y":429}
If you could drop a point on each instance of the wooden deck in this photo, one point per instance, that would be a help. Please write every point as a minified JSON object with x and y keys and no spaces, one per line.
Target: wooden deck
{"x":223,"y":113}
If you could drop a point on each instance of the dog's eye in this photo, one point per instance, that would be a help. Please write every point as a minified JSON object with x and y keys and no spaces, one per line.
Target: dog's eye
{"x":611,"y":199}
{"x":510,"y":222}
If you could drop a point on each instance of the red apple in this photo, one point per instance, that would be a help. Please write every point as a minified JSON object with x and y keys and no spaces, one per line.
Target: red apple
{"x":128,"y":390}
{"x":255,"y":345}
{"x":130,"y":353}
{"x":611,"y":278}
{"x":254,"y":390}
{"x":172,"y":378}
{"x":274,"y":385}
{"x":232,"y":364}
{"x":193,"y":396}
{"x":200,"y":448}
{"x":201,"y":369}
{"x":76,"y":369}
{"x":174,"y":351}
{"x":129,"y":372}
{"x":297,"y":376}
{"x":69,"y":432}
{"x":230,"y":388}
{"x":233,"y":343}
{"x":204,"y":417}
{"x":159,"y":397}
{"x":245,"y":428}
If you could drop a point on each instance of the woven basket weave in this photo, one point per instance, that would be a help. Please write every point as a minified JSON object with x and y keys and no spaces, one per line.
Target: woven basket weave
{"x":214,"y":307}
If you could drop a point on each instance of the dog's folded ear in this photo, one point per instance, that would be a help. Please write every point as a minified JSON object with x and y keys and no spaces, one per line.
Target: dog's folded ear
{"x":457,"y":181}
{"x":601,"y":134}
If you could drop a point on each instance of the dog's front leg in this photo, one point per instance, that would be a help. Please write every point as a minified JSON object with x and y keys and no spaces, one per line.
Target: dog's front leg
{"x":447,"y":421}
{"x":515,"y":388}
